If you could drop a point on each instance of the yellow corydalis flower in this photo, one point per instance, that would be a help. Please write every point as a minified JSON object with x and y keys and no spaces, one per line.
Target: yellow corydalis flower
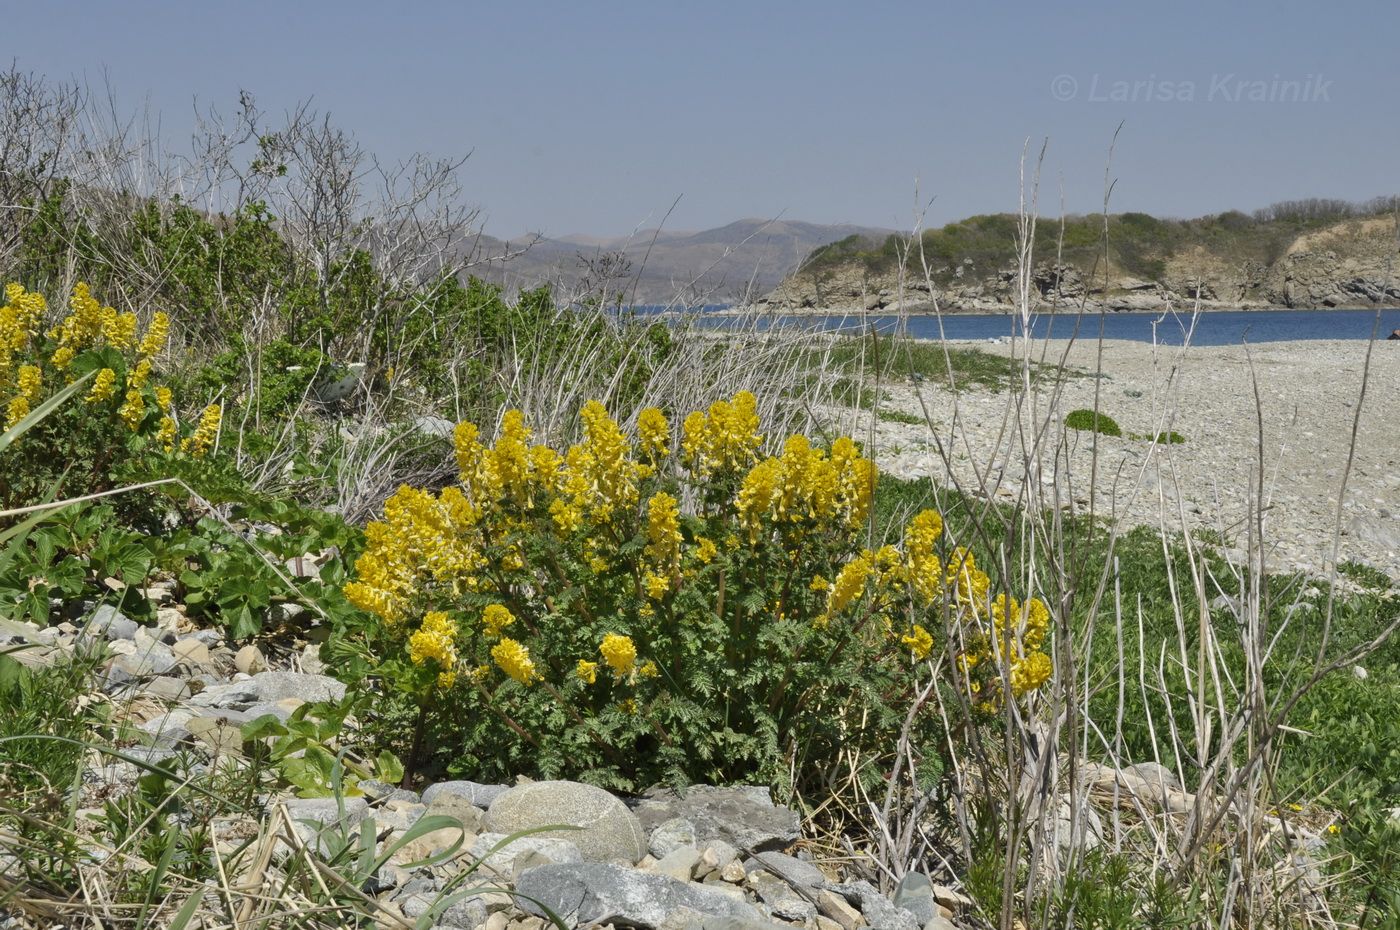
{"x":620,"y":653}
{"x":663,"y":546}
{"x":495,"y":619}
{"x":657,"y":586}
{"x":17,"y":409}
{"x":706,"y":550}
{"x":724,"y":440}
{"x":104,"y":387}
{"x":1030,"y":673}
{"x":156,"y":334}
{"x":435,"y":641}
{"x":206,"y":433}
{"x":925,"y":568}
{"x":167,"y":433}
{"x":919,"y":642}
{"x":586,"y":671}
{"x":514,"y":659}
{"x":654,"y":433}
{"x":30,"y":382}
{"x":132,"y":410}
{"x":118,"y":329}
{"x":848,"y":586}
{"x":140,"y":374}
{"x":164,"y":398}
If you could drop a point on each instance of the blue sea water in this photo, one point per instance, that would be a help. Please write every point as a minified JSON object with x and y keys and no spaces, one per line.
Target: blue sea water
{"x":1209,"y":328}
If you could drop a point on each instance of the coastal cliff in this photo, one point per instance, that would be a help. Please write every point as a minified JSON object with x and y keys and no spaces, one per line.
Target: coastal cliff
{"x":1290,"y":256}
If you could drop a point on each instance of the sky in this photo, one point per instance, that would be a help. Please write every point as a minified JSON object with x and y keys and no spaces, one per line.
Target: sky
{"x":595,"y":117}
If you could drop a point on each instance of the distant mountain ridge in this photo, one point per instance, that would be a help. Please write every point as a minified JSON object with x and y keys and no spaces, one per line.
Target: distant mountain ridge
{"x":734,"y":263}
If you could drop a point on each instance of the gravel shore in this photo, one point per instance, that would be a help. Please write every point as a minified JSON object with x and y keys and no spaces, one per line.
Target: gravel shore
{"x":1307,"y":393}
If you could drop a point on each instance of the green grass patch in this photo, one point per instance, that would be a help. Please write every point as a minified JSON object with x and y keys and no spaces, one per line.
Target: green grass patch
{"x":1093,"y":421}
{"x":1344,"y":754}
{"x":1366,"y":575}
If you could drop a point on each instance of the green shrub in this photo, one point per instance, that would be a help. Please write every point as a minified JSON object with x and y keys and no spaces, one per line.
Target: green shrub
{"x":1092,"y":421}
{"x":1169,"y":437}
{"x":558,"y":615}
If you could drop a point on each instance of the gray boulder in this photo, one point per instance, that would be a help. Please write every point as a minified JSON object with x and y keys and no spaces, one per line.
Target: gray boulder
{"x":879,"y":911}
{"x":744,"y":816}
{"x":597,"y":893}
{"x":107,"y":621}
{"x":670,"y":836}
{"x":475,"y":794}
{"x":269,"y":688}
{"x":505,"y":859}
{"x":790,"y":869}
{"x":914,"y":893}
{"x":605,"y":830}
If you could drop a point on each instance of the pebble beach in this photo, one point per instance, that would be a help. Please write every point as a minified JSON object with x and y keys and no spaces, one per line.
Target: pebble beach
{"x":1272,"y":422}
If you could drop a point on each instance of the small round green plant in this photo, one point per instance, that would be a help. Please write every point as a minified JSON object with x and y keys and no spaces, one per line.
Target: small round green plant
{"x":1093,"y":421}
{"x":1169,"y":437}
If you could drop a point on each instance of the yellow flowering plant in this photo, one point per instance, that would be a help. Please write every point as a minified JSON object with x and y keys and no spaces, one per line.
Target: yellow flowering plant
{"x":659,"y":609}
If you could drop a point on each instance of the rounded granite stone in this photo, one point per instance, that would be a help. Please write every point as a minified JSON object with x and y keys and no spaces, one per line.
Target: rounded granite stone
{"x":606,"y":830}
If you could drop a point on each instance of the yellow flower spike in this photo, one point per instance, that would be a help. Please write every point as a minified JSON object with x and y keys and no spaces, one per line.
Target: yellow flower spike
{"x":104,"y":387}
{"x":514,"y":659}
{"x":30,"y":382}
{"x":133,"y":410}
{"x":17,"y":409}
{"x":140,"y":374}
{"x":119,"y":329}
{"x":849,"y":585}
{"x":508,"y":462}
{"x":919,"y":641}
{"x":648,"y":669}
{"x":156,"y":334}
{"x":495,"y":619}
{"x":663,"y":546}
{"x":164,"y":398}
{"x":706,"y":550}
{"x":434,"y":641}
{"x":206,"y":433}
{"x":586,"y":671}
{"x":657,"y":586}
{"x":654,"y":433}
{"x":1030,"y":673}
{"x":620,"y":653}
{"x":166,"y":434}
{"x":62,"y":357}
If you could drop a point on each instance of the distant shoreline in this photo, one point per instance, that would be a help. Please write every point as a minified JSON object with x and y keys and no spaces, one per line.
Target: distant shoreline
{"x":1039,"y":311}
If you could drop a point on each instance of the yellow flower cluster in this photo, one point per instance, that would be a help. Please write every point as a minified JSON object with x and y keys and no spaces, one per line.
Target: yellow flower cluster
{"x":620,"y":653}
{"x":514,"y":659}
{"x":495,"y":619}
{"x":436,"y":642}
{"x":654,"y":434}
{"x":663,"y":546}
{"x":104,"y":387}
{"x":206,"y":432}
{"x":133,"y":409}
{"x":156,"y":334}
{"x":724,"y":440}
{"x":919,"y":641}
{"x":19,"y":321}
{"x":848,"y":586}
{"x":925,"y":568}
{"x":804,"y":484}
{"x":89,"y":325}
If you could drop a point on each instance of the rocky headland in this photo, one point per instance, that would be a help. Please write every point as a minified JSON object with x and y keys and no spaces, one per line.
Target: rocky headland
{"x":1153,"y":265}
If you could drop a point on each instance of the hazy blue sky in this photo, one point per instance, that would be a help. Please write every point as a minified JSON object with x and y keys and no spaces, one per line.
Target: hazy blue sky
{"x":594,"y":117}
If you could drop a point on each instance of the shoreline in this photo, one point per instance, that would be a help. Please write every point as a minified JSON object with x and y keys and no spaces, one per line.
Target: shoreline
{"x":1100,"y":310}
